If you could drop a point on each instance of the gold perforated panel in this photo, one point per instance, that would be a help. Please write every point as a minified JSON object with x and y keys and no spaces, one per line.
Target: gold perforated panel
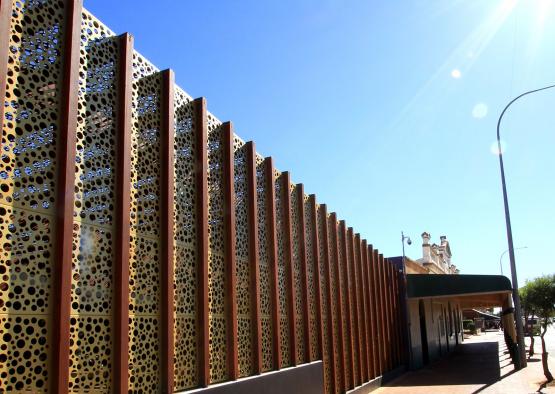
{"x":263,"y":261}
{"x":93,"y":249}
{"x":216,"y":262}
{"x":326,"y":345}
{"x":350,"y":287}
{"x":342,"y":285}
{"x":332,"y":237}
{"x":185,"y":269}
{"x":296,"y":233}
{"x":243,"y":285}
{"x":27,"y":193}
{"x":282,"y":274}
{"x":311,"y":269}
{"x":144,"y":267}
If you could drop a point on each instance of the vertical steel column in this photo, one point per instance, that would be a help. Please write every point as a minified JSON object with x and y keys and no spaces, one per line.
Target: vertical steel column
{"x":353,"y":290}
{"x":385,"y":314}
{"x":340,"y":313}
{"x":290,"y":271}
{"x":254,"y":269}
{"x":362,"y":317}
{"x":344,"y":272}
{"x":229,"y":251}
{"x":304,"y":273}
{"x":167,"y":229}
{"x":391,"y":314}
{"x":122,"y":214}
{"x":397,"y":315}
{"x":5,"y":33}
{"x":368,"y":330}
{"x":375,"y":272}
{"x":316,"y":261}
{"x":201,"y":186}
{"x":273,"y":255}
{"x":328,"y":270}
{"x":65,"y":195}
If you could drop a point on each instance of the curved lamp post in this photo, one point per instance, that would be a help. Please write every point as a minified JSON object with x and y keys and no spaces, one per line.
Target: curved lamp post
{"x":504,"y":253}
{"x":521,"y":361}
{"x":408,"y":339}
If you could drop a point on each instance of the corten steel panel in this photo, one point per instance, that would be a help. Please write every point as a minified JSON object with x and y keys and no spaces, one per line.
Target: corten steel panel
{"x":391,"y":313}
{"x":383,"y":321}
{"x":253,"y":257}
{"x":288,"y":252}
{"x":340,"y":314}
{"x":378,"y":342}
{"x":167,"y":229}
{"x":369,"y":330}
{"x":355,"y":308}
{"x":363,"y":354}
{"x":5,"y":19}
{"x":271,"y":215}
{"x":385,"y":298}
{"x":304,"y":273}
{"x":346,"y":288}
{"x":201,"y":175}
{"x":229,"y":250}
{"x":328,"y":270}
{"x":398,"y":315}
{"x":123,"y":221}
{"x":65,"y":196}
{"x":317,"y":262}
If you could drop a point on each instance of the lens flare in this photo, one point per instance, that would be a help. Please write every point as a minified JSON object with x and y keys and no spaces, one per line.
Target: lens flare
{"x":479,"y":111}
{"x":494,"y":148}
{"x":456,"y":73}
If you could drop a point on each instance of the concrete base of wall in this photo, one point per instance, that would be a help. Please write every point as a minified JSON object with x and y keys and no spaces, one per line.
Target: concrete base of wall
{"x":304,"y":379}
{"x":379,"y":381}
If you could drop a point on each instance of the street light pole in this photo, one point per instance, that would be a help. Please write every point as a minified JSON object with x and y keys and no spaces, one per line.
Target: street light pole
{"x":516,"y":297}
{"x":504,"y":253}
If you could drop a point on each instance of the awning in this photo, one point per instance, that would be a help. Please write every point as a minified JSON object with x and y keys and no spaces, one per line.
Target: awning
{"x":469,"y":290}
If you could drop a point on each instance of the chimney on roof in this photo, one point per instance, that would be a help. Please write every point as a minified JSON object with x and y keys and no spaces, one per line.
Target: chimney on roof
{"x":426,"y":252}
{"x":443,"y":239}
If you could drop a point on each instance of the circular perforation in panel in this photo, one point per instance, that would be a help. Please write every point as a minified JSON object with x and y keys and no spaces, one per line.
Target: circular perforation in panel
{"x":267,"y":330}
{"x":310,"y":268}
{"x":33,"y":82}
{"x":297,"y":277}
{"x":282,"y":277}
{"x":144,"y":354}
{"x":185,"y":354}
{"x":185,"y":281}
{"x":26,"y":261}
{"x":91,"y":354}
{"x":23,"y":354}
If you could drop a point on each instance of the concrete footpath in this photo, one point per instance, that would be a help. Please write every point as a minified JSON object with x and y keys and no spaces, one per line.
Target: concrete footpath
{"x":480,"y":365}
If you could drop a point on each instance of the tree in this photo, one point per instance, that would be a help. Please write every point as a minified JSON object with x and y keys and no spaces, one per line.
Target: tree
{"x":541,"y":297}
{"x":528,"y":311}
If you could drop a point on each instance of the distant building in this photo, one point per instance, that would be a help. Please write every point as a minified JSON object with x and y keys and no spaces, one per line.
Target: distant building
{"x":436,"y":259}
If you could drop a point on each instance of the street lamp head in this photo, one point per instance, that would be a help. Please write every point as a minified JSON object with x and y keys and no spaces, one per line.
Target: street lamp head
{"x":409,"y":242}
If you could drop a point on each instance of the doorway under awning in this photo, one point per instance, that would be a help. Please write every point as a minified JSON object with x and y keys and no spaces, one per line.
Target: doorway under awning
{"x":435,"y":304}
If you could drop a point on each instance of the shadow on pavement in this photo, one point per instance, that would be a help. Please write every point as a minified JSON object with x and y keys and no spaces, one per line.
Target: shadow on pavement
{"x":470,"y":363}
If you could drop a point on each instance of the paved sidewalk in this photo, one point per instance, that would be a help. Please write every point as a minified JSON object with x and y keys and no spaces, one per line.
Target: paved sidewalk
{"x":480,"y":365}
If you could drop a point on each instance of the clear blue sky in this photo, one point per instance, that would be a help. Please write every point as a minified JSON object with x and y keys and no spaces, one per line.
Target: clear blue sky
{"x":385,"y":109}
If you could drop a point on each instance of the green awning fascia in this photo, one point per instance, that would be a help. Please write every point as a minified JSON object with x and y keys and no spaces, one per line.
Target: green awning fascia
{"x":429,"y":285}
